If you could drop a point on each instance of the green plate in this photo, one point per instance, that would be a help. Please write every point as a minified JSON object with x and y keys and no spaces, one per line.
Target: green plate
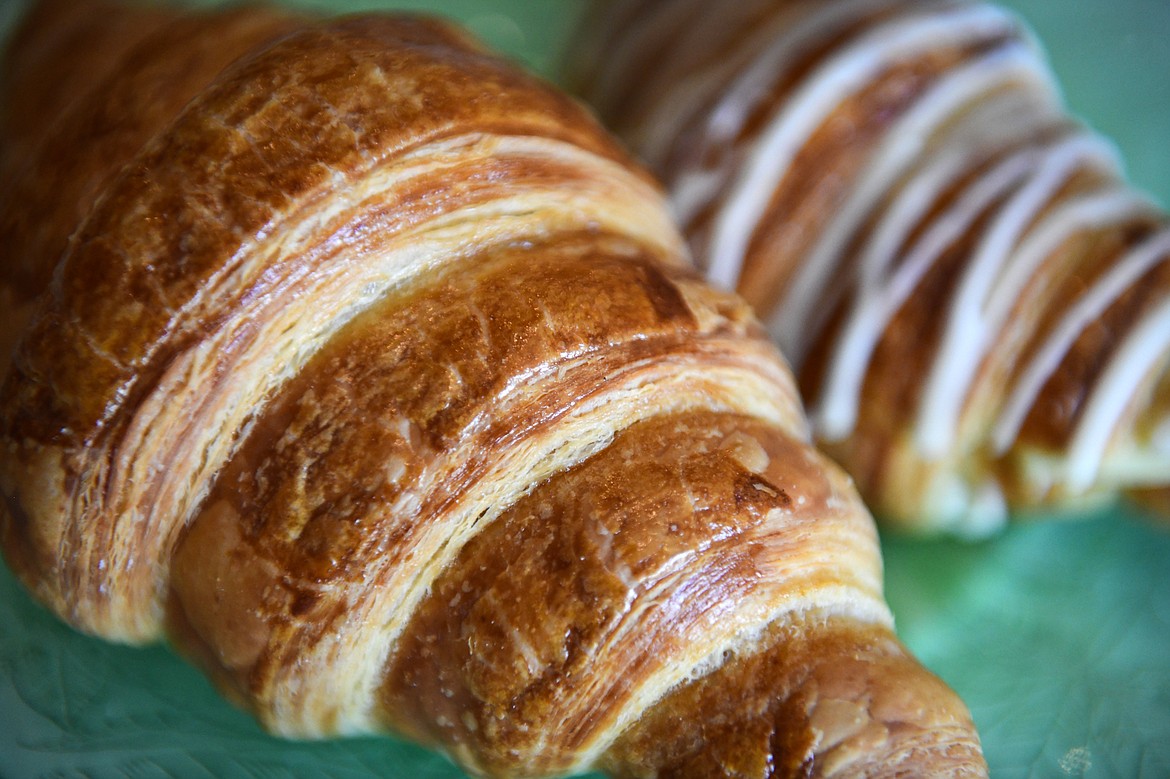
{"x":1056,"y":634}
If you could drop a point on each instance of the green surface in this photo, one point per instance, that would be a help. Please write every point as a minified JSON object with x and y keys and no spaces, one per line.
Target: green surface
{"x":1057,"y":634}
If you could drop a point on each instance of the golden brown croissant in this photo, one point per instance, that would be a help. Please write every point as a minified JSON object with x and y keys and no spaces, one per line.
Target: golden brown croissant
{"x":375,"y":377}
{"x":976,"y":304}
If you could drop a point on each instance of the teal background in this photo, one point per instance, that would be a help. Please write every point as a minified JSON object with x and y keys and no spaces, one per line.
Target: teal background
{"x":1057,"y":634}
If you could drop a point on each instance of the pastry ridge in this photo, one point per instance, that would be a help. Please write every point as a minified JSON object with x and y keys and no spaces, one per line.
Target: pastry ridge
{"x":375,"y":378}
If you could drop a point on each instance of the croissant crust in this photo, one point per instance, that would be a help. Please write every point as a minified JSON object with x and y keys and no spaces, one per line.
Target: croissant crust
{"x":374,"y":377}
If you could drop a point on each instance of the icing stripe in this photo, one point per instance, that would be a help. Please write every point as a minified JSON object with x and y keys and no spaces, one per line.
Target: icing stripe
{"x":777,"y":48}
{"x":987,"y":294}
{"x":794,"y":323}
{"x":1088,"y":307}
{"x":879,"y":300}
{"x":727,"y":134}
{"x":847,"y":72}
{"x":1113,"y":393}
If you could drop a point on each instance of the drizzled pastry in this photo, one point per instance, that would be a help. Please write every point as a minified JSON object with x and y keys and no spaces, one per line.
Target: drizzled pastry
{"x":371,"y":374}
{"x":976,"y":303}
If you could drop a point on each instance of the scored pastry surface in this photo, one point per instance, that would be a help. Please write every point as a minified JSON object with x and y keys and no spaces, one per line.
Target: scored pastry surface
{"x":375,"y":378}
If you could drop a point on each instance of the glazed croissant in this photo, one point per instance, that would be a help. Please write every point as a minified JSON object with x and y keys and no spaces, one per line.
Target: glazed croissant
{"x":368,"y":370}
{"x":976,"y":304}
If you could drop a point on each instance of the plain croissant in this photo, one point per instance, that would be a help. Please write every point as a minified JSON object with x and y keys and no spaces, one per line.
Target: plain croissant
{"x":976,"y":304}
{"x":371,"y":373}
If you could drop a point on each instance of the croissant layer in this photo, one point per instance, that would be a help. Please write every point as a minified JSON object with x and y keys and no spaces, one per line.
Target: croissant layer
{"x":105,"y":394}
{"x":369,"y":372}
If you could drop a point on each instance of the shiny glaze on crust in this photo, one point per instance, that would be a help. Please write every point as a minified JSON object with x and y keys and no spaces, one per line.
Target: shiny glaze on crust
{"x":364,"y":94}
{"x":54,"y":187}
{"x":104,"y":391}
{"x":794,"y":717}
{"x":38,"y":88}
{"x":380,"y":451}
{"x":948,"y":260}
{"x":369,"y":350}
{"x":634,"y":573}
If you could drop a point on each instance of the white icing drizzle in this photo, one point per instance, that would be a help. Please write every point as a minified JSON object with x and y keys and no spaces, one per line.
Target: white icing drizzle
{"x":987,"y":293}
{"x":846,"y":72}
{"x":1090,"y":305}
{"x":655,"y":28}
{"x":776,"y":48}
{"x":727,"y":118}
{"x":991,"y":134}
{"x":645,"y":31}
{"x":1133,"y":361}
{"x":880,"y":293}
{"x":681,"y":101}
{"x":724,"y":38}
{"x":795,"y":323}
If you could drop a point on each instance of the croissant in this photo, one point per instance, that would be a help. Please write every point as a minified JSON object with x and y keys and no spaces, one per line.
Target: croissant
{"x":976,"y":304}
{"x":368,"y":371}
